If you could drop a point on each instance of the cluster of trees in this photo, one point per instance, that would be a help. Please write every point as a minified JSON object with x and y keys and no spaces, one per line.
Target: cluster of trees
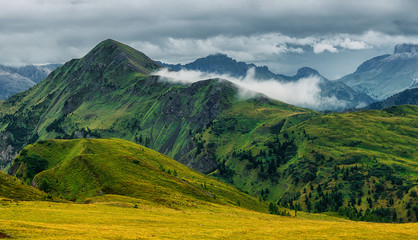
{"x":140,"y":140}
{"x":274,"y":209}
{"x":269,"y":160}
{"x":225,"y":171}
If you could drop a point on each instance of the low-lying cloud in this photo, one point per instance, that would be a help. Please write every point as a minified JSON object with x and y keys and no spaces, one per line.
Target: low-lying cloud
{"x":304,"y":92}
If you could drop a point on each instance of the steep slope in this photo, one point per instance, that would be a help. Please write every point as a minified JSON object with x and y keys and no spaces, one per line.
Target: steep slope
{"x":89,"y":168}
{"x":13,"y":188}
{"x":18,"y":79}
{"x":409,"y":96}
{"x":222,"y":64}
{"x":343,"y":96}
{"x":386,"y":75}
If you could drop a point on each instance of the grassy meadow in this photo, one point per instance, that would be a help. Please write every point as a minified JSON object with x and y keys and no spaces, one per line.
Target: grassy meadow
{"x":106,"y":220}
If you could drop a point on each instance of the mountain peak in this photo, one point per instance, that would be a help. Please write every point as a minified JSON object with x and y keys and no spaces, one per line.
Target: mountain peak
{"x":112,"y":52}
{"x":306,"y":72}
{"x":406,"y":48}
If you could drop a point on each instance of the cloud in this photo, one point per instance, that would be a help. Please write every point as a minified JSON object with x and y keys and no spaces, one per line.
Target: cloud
{"x":260,"y":31}
{"x":303,"y":93}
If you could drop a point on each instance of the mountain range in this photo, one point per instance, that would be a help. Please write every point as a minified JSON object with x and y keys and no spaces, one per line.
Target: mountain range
{"x":359,"y":164}
{"x":386,"y":75}
{"x":18,"y":79}
{"x":394,"y":72}
{"x":333,"y":96}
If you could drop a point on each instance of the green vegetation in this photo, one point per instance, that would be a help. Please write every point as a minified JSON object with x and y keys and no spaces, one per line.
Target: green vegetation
{"x":362,"y":165}
{"x":84,"y":170}
{"x":14,"y":188}
{"x":119,"y":220}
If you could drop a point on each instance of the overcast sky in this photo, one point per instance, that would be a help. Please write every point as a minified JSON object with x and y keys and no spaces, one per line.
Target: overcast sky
{"x":331,"y":36}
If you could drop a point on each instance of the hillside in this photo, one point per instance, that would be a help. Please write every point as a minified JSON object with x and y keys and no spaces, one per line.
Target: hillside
{"x":409,"y":96}
{"x":386,"y":75}
{"x":83,"y":169}
{"x":13,"y":188}
{"x":338,"y":162}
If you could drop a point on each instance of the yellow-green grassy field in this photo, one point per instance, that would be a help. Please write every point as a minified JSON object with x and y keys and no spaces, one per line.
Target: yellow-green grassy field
{"x":46,"y":220}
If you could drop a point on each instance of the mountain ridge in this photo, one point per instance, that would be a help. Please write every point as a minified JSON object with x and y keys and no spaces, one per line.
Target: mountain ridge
{"x":386,"y":75}
{"x":409,"y":96}
{"x":222,"y":64}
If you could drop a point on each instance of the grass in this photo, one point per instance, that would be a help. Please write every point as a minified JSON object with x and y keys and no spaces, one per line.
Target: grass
{"x":82,"y":169}
{"x":14,"y":188}
{"x":46,"y":220}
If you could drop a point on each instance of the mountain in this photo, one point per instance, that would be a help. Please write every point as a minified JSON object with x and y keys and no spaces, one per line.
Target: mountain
{"x":86,"y":169}
{"x":222,"y":64}
{"x":386,"y":75}
{"x":18,"y":79}
{"x":335,"y":95}
{"x":296,"y":157}
{"x":409,"y":96}
{"x":109,"y":93}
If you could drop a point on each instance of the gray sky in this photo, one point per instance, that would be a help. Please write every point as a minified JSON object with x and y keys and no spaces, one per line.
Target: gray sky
{"x":331,"y":36}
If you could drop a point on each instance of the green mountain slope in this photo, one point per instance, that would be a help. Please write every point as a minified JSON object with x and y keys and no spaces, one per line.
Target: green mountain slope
{"x":86,"y":168}
{"x":13,"y":188}
{"x":363,"y":160}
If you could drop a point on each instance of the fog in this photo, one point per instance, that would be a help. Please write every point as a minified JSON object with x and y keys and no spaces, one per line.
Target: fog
{"x":304,"y":92}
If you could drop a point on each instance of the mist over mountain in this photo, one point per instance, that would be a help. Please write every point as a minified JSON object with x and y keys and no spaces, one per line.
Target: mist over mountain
{"x":339,"y":95}
{"x":386,"y":75}
{"x":324,"y":94}
{"x":17,"y":79}
{"x":222,"y":64}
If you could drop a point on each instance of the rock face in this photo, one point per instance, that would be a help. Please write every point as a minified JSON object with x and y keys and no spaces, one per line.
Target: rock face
{"x":406,"y":48}
{"x":18,"y":79}
{"x":222,"y":64}
{"x":386,"y":75}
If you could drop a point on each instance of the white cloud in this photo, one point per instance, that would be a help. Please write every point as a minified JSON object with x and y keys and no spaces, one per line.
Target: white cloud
{"x":322,"y":47}
{"x":303,"y":93}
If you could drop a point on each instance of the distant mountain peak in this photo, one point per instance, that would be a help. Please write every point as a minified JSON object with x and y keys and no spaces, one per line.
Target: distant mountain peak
{"x":223,"y":64}
{"x":306,"y":72}
{"x":406,"y":48}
